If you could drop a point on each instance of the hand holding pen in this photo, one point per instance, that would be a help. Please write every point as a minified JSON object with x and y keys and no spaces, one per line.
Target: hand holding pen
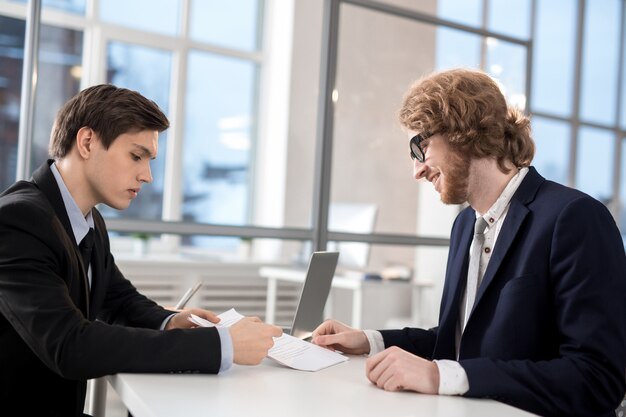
{"x":181,"y":319}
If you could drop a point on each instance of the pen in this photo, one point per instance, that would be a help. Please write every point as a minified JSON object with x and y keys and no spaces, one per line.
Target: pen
{"x":187,"y":296}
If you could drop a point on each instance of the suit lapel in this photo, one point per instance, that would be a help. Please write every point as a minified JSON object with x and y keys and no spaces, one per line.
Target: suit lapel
{"x":456,"y":276}
{"x":518,"y":211}
{"x":45,"y":181}
{"x":458,"y":273}
{"x":512,"y":223}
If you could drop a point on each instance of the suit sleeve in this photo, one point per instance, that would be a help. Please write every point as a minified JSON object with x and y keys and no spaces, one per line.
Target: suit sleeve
{"x":122,"y":303}
{"x":36,"y":298}
{"x":420,"y":342}
{"x":588,"y":278}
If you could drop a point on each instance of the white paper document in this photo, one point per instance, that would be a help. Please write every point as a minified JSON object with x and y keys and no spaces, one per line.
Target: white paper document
{"x":287,"y":350}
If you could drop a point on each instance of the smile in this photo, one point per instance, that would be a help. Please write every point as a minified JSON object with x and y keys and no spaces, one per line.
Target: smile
{"x":435,"y":181}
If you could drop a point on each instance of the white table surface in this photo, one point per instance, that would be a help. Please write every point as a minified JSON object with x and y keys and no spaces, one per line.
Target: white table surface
{"x":273,"y":390}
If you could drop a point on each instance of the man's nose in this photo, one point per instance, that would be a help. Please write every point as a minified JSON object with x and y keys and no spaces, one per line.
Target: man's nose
{"x":146,"y":175}
{"x":419,"y":169}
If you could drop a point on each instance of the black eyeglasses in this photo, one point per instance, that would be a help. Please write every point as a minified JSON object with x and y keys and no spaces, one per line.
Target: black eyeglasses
{"x":415,"y":146}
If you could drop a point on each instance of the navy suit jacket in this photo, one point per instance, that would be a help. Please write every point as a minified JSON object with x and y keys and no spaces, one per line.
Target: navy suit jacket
{"x":55,"y":333}
{"x":548,"y":330}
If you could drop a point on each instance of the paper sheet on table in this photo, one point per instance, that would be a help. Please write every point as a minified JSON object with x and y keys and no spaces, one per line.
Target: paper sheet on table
{"x":288,"y":350}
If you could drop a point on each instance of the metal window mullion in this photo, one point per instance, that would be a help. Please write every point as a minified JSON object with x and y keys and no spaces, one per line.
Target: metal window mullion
{"x":530,"y":54}
{"x":326,"y":108}
{"x":483,"y":43}
{"x":617,"y":161}
{"x":30,"y":71}
{"x":173,"y":181}
{"x":574,"y":134}
{"x":190,"y":228}
{"x":431,"y":19}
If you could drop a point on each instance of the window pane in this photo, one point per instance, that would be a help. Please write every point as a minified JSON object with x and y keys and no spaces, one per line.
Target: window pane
{"x":72,"y":6}
{"x":60,"y":65}
{"x":468,"y":12}
{"x":510,"y":17}
{"x":456,"y":49}
{"x":552,"y":140}
{"x":11,"y":53}
{"x":147,"y":71}
{"x":219,"y":123}
{"x":594,"y":163}
{"x":507,"y":63}
{"x":233,"y":23}
{"x":369,"y":148}
{"x":553,"y":56}
{"x":600,"y":52}
{"x":160,"y":16}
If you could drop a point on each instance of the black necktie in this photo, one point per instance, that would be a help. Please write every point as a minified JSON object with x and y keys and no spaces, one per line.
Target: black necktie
{"x":85,"y":247}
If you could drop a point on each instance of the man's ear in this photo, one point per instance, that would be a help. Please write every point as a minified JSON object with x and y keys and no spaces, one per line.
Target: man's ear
{"x":85,"y":139}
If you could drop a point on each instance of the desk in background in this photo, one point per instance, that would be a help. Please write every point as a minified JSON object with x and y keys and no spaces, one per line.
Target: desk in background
{"x":274,"y":391}
{"x":399,"y":297}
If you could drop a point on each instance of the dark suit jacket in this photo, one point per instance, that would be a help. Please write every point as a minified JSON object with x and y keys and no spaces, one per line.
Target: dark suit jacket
{"x":54,"y":333}
{"x":548,"y":331}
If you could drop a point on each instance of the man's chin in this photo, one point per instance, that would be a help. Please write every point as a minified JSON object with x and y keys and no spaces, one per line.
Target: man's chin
{"x":118,"y":206}
{"x":452,"y":199}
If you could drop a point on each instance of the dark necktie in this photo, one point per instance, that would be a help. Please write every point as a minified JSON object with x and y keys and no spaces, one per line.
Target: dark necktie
{"x":85,"y":247}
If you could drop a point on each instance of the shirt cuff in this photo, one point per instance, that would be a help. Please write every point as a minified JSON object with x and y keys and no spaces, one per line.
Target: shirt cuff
{"x":227,"y":348}
{"x":375,"y":338}
{"x":167,"y":320}
{"x":452,"y":378}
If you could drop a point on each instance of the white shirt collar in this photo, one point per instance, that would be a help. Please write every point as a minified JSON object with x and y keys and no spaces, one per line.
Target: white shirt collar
{"x":501,"y":205}
{"x":80,"y":224}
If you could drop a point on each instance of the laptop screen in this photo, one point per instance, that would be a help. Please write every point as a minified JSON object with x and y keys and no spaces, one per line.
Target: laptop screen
{"x":310,"y":311}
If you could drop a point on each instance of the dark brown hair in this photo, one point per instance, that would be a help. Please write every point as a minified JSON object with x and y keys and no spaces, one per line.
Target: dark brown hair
{"x":110,"y":111}
{"x":469,"y":110}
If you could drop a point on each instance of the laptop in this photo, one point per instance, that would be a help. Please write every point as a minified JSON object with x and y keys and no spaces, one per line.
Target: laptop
{"x":310,"y":311}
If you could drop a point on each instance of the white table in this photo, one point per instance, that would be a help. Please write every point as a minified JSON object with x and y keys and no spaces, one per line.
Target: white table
{"x":273,"y":390}
{"x":352,"y":282}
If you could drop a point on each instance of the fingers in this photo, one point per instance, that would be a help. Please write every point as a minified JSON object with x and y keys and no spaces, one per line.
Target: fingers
{"x":252,"y":339}
{"x":395,"y":369}
{"x":330,"y":327}
{"x":328,"y":340}
{"x":372,"y":363}
{"x":275,"y":331}
{"x":205,"y":314}
{"x":380,"y":370}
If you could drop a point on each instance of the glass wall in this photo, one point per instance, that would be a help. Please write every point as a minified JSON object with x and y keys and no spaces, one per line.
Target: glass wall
{"x":240,"y":83}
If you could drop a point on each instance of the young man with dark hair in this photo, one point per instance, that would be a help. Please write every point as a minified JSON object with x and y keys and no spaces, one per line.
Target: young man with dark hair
{"x":67,"y":314}
{"x":532,"y":312}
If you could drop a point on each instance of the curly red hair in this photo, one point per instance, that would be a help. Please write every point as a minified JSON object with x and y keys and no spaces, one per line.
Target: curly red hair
{"x":469,"y":110}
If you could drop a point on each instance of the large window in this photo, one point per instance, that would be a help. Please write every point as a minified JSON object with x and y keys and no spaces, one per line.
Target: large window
{"x":578,"y":111}
{"x":245,"y":157}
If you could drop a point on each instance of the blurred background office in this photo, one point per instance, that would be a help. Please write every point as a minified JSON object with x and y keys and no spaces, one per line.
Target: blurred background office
{"x":284,"y":137}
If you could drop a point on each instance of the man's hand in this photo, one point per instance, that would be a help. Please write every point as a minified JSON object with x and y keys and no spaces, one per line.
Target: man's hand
{"x":252,"y":339}
{"x":181,"y":319}
{"x":335,"y":335}
{"x":395,"y":369}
